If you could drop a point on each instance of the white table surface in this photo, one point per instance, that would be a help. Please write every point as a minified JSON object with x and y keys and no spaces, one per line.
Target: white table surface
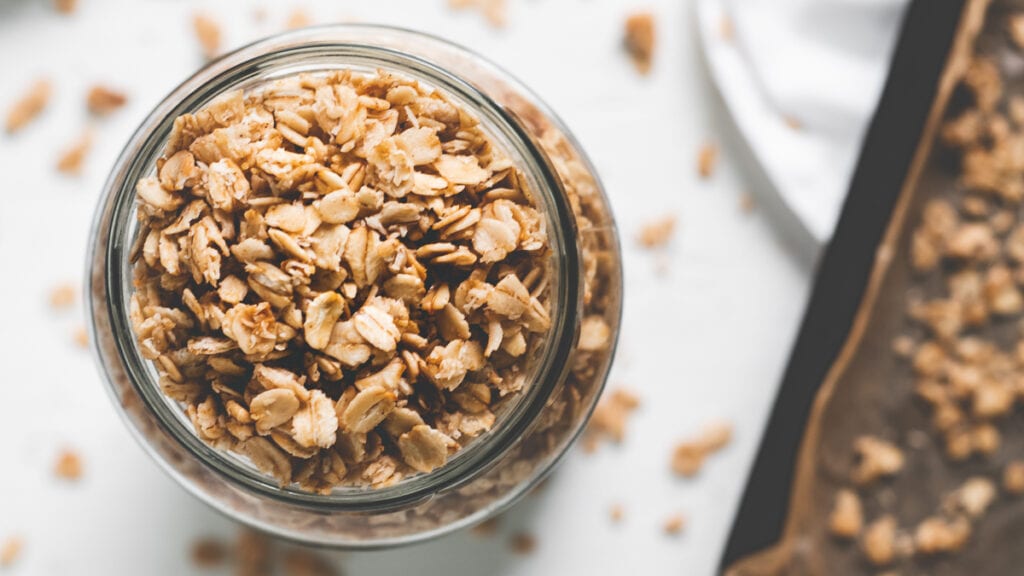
{"x":704,"y":339}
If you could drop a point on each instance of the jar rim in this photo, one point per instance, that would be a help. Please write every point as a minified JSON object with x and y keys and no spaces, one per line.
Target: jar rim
{"x":255,"y":63}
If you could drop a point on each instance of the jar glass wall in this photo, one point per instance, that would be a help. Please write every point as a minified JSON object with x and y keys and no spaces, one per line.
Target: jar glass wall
{"x":533,"y":432}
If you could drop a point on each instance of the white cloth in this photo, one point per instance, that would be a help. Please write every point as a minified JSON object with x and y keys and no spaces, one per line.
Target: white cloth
{"x":802,"y":79}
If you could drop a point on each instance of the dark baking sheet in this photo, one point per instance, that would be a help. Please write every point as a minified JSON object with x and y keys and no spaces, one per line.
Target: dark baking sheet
{"x":892,"y":139}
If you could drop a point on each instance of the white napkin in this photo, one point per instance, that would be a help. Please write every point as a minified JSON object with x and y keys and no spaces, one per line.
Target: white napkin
{"x":802,"y":79}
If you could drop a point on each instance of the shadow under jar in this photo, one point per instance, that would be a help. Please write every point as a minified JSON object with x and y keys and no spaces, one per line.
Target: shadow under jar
{"x":533,"y":428}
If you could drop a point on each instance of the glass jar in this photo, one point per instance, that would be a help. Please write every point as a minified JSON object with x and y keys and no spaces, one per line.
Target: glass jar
{"x":493,"y":470}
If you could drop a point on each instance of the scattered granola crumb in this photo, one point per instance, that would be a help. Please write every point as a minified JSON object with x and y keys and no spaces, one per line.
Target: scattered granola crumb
{"x":81,"y":337}
{"x":487,"y":527}
{"x":252,"y":553}
{"x":935,"y":535}
{"x":1016,"y":26}
{"x":299,"y":18}
{"x":876,"y":459}
{"x":792,"y":122}
{"x":11,"y":550}
{"x":63,"y":296}
{"x":688,"y":456}
{"x":616,"y":513}
{"x":523,"y":543}
{"x":209,"y":552}
{"x":747,"y":203}
{"x":1013,"y":477}
{"x":639,"y":40}
{"x":208,"y":33}
{"x":726,"y":28}
{"x":903,"y":346}
{"x":707,"y":158}
{"x":879,"y":543}
{"x":68,"y":466}
{"x":847,"y":516}
{"x":674,"y":524}
{"x":657,"y":233}
{"x":610,"y":416}
{"x":102,"y":101}
{"x":65,"y":6}
{"x":29,"y":106}
{"x":493,"y":10}
{"x":259,"y":14}
{"x":72,"y":159}
{"x":305,"y":562}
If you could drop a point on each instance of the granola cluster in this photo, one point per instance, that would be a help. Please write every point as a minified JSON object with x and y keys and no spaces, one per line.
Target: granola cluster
{"x":967,"y":252}
{"x":340,"y":276}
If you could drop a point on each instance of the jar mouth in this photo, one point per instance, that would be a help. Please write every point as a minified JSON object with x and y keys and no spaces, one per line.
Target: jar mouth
{"x":313,"y":50}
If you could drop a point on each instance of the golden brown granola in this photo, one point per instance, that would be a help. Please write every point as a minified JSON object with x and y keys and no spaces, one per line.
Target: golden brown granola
{"x":707,"y":159}
{"x":657,"y":233}
{"x":747,"y":202}
{"x":341,"y":277}
{"x":688,"y":456}
{"x":10,"y":550}
{"x":102,"y":100}
{"x":639,"y":39}
{"x":879,"y":541}
{"x":1013,"y":478}
{"x":208,"y":34}
{"x":29,"y":106}
{"x":68,"y":466}
{"x":72,"y":159}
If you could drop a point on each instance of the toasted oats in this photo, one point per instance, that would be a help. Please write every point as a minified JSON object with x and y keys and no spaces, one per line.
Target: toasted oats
{"x":207,"y":31}
{"x":10,"y":551}
{"x":65,"y":6}
{"x":209,"y":553}
{"x":1013,"y":478}
{"x":68,"y":466}
{"x":707,"y":158}
{"x":29,"y":106}
{"x":674,"y":525}
{"x":63,"y":296}
{"x":657,"y":233}
{"x":102,"y":101}
{"x":305,"y":562}
{"x":72,"y":158}
{"x":639,"y":40}
{"x":424,"y":448}
{"x":523,"y":543}
{"x":847,"y":516}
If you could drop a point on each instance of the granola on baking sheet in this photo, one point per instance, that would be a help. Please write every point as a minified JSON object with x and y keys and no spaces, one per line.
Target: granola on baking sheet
{"x":339,"y":276}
